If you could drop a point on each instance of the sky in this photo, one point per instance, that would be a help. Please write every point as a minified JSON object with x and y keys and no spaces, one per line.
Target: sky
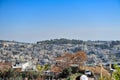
{"x":36,"y":20}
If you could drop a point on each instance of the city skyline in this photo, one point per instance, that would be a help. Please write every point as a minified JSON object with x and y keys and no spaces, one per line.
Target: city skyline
{"x":36,"y":20}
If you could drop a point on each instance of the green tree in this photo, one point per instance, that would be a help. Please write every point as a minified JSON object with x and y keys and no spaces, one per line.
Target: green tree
{"x":116,"y":74}
{"x":65,"y":73}
{"x":46,"y":67}
{"x":41,"y":69}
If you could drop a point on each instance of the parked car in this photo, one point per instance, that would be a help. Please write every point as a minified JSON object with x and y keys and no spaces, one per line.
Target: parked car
{"x":88,"y":72}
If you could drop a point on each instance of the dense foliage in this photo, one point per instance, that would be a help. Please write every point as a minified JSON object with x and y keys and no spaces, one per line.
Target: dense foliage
{"x":116,"y":74}
{"x":61,"y":41}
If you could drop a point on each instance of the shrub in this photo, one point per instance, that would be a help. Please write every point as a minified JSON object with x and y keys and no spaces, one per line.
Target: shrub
{"x":65,"y":73}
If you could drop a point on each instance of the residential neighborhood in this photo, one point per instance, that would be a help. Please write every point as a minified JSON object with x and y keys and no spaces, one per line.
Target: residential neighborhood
{"x":52,"y":57}
{"x":43,"y":53}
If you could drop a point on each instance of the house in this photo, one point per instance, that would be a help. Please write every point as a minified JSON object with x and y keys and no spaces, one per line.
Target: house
{"x":26,"y":66}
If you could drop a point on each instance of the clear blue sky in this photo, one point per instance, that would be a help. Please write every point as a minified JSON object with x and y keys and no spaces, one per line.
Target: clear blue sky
{"x":35,"y":20}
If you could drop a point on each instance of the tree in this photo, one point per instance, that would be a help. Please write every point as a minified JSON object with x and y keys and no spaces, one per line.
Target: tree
{"x":116,"y":74}
{"x":46,"y":66}
{"x":65,"y":73}
{"x":79,"y":58}
{"x":42,"y":68}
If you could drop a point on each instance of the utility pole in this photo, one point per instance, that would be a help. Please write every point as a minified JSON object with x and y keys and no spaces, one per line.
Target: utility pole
{"x":110,"y":63}
{"x":101,"y":68}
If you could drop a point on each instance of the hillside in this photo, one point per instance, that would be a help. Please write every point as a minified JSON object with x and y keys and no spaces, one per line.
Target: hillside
{"x":46,"y":51}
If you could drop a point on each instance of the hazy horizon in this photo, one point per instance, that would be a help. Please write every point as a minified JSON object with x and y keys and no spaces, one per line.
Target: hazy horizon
{"x":37,"y":20}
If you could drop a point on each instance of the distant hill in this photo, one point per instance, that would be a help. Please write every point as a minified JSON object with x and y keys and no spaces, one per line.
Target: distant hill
{"x":71,"y":41}
{"x":61,"y":41}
